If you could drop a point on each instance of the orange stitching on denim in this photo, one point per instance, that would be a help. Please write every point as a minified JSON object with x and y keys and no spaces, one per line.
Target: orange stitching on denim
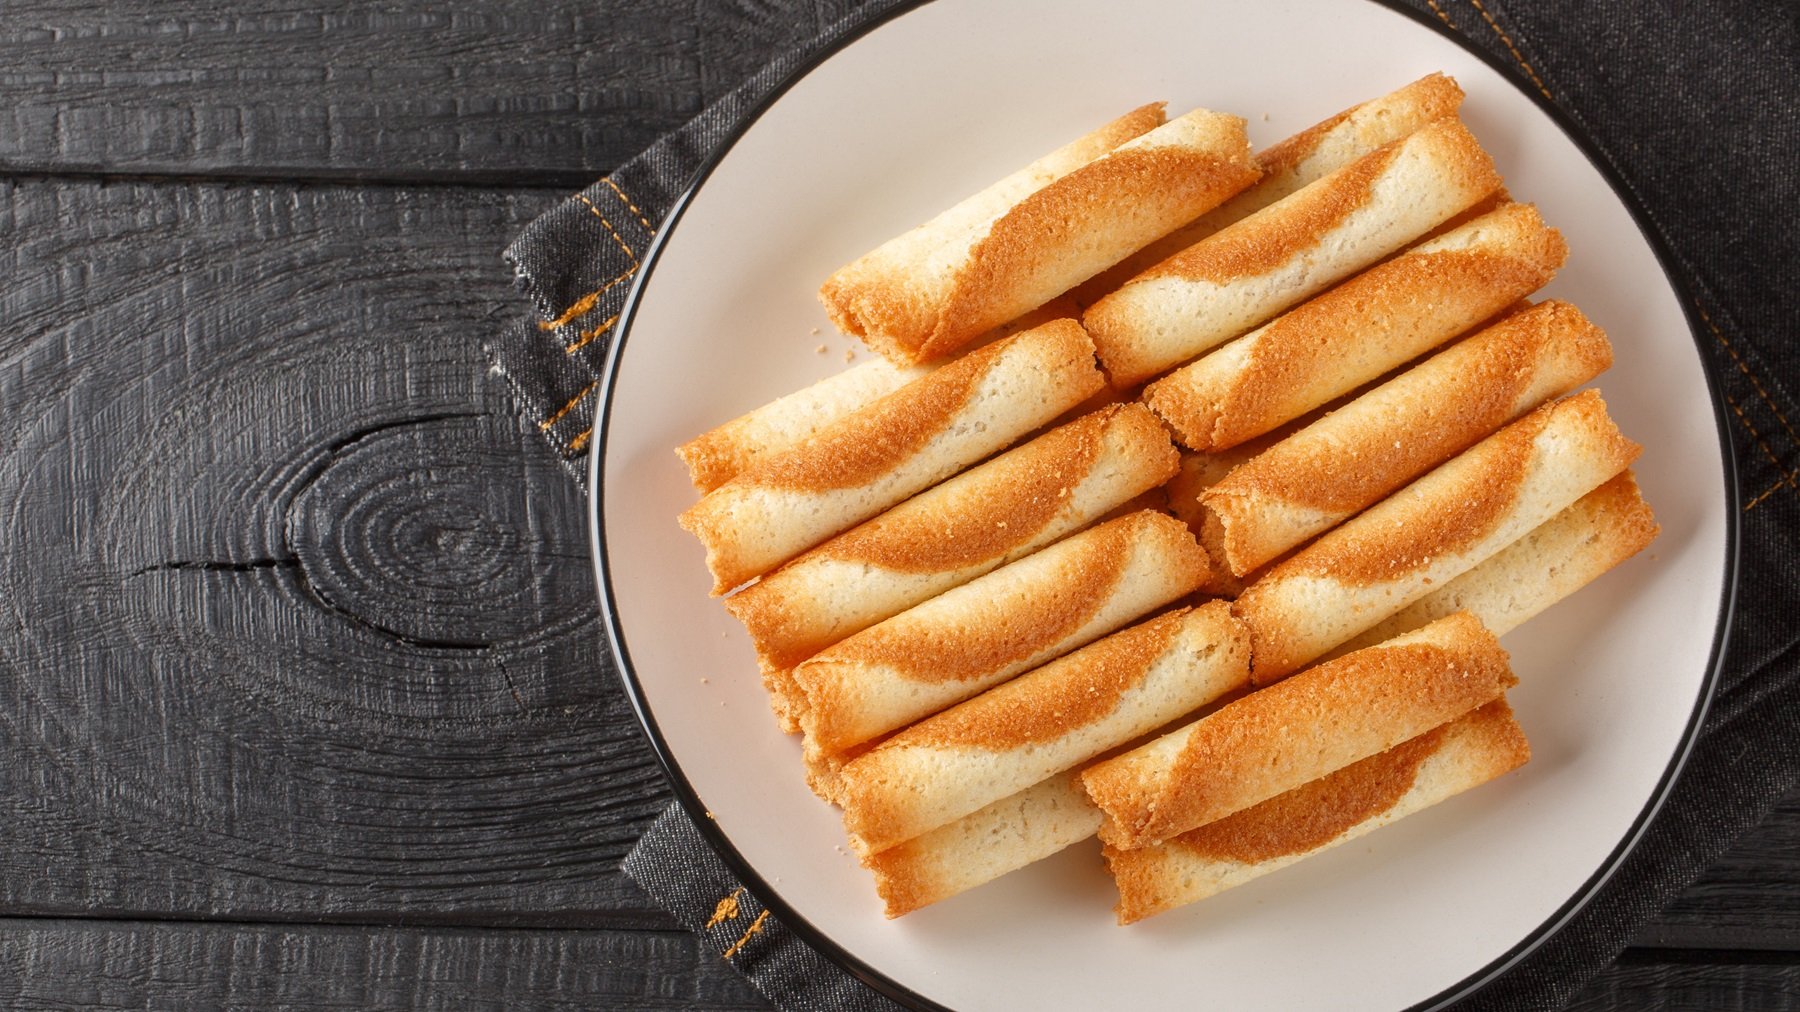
{"x":727,"y":908}
{"x":610,"y":230}
{"x":580,"y":306}
{"x":755,"y":926}
{"x":587,"y":336}
{"x":1495,"y":25}
{"x":1787,"y":476}
{"x":566,"y":408}
{"x":586,"y":303}
{"x":1439,"y":11}
{"x":1745,"y":369}
{"x":579,"y":443}
{"x":1767,"y":492}
{"x":634,"y":209}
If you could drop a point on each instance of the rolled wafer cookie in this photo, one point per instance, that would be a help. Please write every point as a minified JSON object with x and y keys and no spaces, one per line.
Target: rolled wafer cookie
{"x":1380,"y":319}
{"x":1348,"y":460}
{"x":1041,"y":723}
{"x":879,"y":455}
{"x":969,"y":219}
{"x":1430,"y":532}
{"x":716,"y":456}
{"x":976,"y":849}
{"x":1292,"y":249}
{"x":950,"y":534}
{"x":986,"y":631}
{"x":1557,"y":558}
{"x":1292,"y":163}
{"x":788,"y":700}
{"x":1337,"y":808}
{"x":786,"y":697}
{"x":1286,"y":735}
{"x":925,"y":294}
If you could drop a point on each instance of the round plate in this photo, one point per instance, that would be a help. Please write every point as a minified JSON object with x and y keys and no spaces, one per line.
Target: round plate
{"x":933,"y":104}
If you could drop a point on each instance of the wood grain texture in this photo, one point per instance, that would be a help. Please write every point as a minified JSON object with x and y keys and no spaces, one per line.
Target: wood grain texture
{"x":1748,"y":899}
{"x":555,"y":92}
{"x":294,"y":619}
{"x":116,"y":965}
{"x":107,"y":965}
{"x":1633,"y":985}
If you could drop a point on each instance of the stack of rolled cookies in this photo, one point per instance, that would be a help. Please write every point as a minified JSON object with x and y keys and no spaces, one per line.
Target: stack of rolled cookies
{"x":1183,"y":507}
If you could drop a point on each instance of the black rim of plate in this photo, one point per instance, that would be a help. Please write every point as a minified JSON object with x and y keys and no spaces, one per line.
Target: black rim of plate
{"x":804,"y":929}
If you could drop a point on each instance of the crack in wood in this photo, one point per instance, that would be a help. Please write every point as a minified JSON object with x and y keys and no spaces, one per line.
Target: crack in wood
{"x":511,"y":686}
{"x":338,"y":446}
{"x":251,"y":566}
{"x":294,"y":566}
{"x":422,"y":642}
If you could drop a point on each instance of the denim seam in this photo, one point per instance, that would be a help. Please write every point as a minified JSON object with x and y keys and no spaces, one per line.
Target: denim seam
{"x":1702,"y":292}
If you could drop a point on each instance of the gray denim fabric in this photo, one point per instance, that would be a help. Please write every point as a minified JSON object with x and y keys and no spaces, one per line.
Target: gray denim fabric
{"x":1696,"y":109}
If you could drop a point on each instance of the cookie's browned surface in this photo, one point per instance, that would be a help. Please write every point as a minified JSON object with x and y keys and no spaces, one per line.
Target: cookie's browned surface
{"x":1335,"y":226}
{"x":1043,"y":709}
{"x":1009,"y":511}
{"x":1359,"y":330}
{"x":1002,"y":837}
{"x":1298,"y":730}
{"x":1557,"y":558}
{"x":1292,"y":163}
{"x":984,"y":632}
{"x":954,"y":652}
{"x":1431,"y":97}
{"x":1435,"y":529}
{"x":872,"y":298}
{"x":880,"y":455}
{"x":1044,"y":722}
{"x":1351,"y":458}
{"x":1031,"y":237}
{"x":1379,"y":550}
{"x":1357,"y":799}
{"x":955,"y":532}
{"x":1029,"y":241}
{"x":1277,"y":238}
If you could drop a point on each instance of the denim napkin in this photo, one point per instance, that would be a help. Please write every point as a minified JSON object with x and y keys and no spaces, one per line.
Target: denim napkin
{"x":1696,"y":107}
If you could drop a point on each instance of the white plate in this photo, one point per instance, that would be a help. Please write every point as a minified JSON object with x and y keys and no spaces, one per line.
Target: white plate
{"x":931,"y":106}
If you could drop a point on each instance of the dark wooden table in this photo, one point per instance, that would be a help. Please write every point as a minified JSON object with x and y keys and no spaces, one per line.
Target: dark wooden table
{"x":302,"y":698}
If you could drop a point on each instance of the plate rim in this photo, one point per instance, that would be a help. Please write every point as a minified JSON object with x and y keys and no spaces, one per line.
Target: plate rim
{"x":809,"y":933}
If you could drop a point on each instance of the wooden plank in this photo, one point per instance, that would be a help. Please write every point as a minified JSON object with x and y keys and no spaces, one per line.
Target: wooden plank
{"x":106,"y":965}
{"x":117,"y":965}
{"x":553,"y":92}
{"x":294,"y":616}
{"x":1748,"y":899}
{"x":1631,"y":985}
